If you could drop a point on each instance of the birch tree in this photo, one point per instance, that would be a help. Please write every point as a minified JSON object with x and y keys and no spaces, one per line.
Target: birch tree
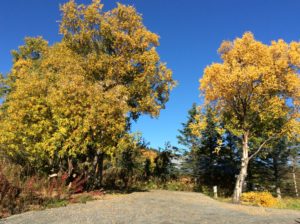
{"x":255,"y":89}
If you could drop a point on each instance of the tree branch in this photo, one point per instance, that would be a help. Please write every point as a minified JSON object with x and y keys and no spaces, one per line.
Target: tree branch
{"x":261,"y":147}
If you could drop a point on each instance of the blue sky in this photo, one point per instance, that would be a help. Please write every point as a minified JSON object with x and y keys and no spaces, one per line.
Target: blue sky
{"x":190,"y":30}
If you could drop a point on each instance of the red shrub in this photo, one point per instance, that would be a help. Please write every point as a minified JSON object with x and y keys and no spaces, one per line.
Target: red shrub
{"x":8,"y":196}
{"x":77,"y":185}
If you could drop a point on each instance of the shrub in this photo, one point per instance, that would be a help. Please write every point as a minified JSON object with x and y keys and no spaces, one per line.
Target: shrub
{"x":178,"y":186}
{"x":9,"y":203}
{"x":55,"y":187}
{"x":77,"y":185}
{"x":19,"y":192}
{"x":264,"y":199}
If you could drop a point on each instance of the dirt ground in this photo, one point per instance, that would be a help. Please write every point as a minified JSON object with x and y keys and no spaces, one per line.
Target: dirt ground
{"x":164,"y":207}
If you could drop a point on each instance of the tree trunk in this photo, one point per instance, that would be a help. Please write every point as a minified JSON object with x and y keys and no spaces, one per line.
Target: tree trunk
{"x":70,"y":167}
{"x":98,"y":173}
{"x":294,"y":176}
{"x":276,"y":176}
{"x":100,"y":164}
{"x":243,"y":171}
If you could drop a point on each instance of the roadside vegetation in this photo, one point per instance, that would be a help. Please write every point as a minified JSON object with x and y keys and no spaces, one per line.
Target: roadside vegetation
{"x":265,"y":199}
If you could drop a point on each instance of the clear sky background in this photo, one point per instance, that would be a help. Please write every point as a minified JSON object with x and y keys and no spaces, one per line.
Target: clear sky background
{"x":190,"y":30}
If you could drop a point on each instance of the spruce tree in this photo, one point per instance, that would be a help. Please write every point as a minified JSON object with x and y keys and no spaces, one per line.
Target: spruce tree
{"x":192,"y":143}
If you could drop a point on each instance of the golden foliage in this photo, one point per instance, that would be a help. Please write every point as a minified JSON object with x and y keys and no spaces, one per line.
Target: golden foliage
{"x":264,"y":199}
{"x":149,"y":154}
{"x":119,"y":50}
{"x":81,"y":93}
{"x":257,"y":86}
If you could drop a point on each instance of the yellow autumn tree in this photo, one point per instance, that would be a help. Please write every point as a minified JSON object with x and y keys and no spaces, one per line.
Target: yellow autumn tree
{"x":256,"y":90}
{"x":76,"y":99}
{"x":2,"y":86}
{"x":24,"y":113}
{"x":118,"y":50}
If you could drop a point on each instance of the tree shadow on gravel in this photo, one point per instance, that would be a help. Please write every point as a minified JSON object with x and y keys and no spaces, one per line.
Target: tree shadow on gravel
{"x":124,"y":191}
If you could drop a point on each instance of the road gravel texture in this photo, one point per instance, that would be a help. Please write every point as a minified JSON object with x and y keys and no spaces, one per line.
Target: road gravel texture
{"x":162,"y":207}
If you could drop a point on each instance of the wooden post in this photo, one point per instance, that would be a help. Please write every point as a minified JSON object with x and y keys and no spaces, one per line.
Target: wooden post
{"x":215,"y":188}
{"x":278,"y":192}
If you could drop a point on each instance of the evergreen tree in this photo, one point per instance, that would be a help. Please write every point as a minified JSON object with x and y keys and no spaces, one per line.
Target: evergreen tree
{"x":147,"y":169}
{"x":186,"y":137}
{"x":163,"y":163}
{"x":207,"y":155}
{"x":192,"y":143}
{"x":279,"y":158}
{"x":273,"y":169}
{"x":294,"y":160}
{"x":211,"y":162}
{"x":226,"y":163}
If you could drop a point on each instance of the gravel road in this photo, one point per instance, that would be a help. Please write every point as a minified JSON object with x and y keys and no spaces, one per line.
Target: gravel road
{"x":163,"y":207}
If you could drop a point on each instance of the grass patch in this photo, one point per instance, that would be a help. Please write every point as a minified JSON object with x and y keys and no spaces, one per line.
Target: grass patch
{"x":81,"y":198}
{"x":226,"y":200}
{"x":85,"y":198}
{"x":289,"y":203}
{"x":55,"y":203}
{"x":76,"y":198}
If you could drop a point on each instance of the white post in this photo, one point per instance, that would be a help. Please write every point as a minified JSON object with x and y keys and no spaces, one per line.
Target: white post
{"x":215,"y":188}
{"x":278,"y":192}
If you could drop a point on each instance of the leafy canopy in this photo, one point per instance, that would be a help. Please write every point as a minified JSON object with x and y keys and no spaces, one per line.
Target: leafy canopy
{"x":256,"y":88}
{"x":77,"y":97}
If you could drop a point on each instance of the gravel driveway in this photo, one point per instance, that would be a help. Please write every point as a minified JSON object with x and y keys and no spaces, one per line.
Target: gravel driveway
{"x":164,"y":207}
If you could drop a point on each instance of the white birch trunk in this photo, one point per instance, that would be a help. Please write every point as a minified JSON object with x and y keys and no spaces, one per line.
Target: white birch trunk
{"x":243,"y":171}
{"x":294,"y":177}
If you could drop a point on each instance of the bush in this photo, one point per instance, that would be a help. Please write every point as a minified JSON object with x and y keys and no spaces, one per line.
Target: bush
{"x":10,"y":189}
{"x":171,"y":185}
{"x":264,"y":199}
{"x":19,"y":192}
{"x":9,"y":194}
{"x":178,"y":186}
